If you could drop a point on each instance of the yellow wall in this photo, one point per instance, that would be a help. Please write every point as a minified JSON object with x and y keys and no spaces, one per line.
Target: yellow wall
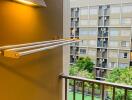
{"x":32,"y":77}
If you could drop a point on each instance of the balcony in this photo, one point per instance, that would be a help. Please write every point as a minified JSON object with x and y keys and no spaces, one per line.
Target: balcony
{"x":101,"y":54}
{"x":102,"y":84}
{"x":75,"y":13}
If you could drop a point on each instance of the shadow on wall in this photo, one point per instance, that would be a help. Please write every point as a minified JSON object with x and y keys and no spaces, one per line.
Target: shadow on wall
{"x":31,"y":72}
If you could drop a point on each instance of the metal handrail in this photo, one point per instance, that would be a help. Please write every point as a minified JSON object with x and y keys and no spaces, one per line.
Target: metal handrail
{"x":97,"y":81}
{"x":93,"y":82}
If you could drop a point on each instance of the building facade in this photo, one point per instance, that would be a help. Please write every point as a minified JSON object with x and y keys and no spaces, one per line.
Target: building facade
{"x":106,"y":30}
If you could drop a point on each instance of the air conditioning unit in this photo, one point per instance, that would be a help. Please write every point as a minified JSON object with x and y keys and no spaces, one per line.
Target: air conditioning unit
{"x":105,"y":18}
{"x":104,"y":39}
{"x":101,"y":29}
{"x":105,"y":7}
{"x":75,"y":19}
{"x":76,"y":9}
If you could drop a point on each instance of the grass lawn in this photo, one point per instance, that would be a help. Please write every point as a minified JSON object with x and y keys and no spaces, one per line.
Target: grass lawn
{"x":79,"y":97}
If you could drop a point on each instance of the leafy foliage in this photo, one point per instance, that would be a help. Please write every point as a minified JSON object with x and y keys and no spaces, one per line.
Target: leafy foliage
{"x":81,"y":73}
{"x":85,"y":64}
{"x":121,"y":76}
{"x":82,"y":68}
{"x":73,"y":70}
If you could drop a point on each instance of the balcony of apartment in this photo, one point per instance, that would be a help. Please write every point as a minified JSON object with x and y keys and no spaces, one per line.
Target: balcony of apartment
{"x":74,"y":12}
{"x":74,"y":24}
{"x":104,"y":10}
{"x":100,"y":23}
{"x":103,"y":21}
{"x":103,"y":35}
{"x":102,"y":62}
{"x":74,"y":33}
{"x":102,"y":55}
{"x":77,"y":35}
{"x":73,"y":59}
{"x":102,"y":43}
{"x":107,"y":11}
{"x":74,"y":50}
{"x":106,"y":21}
{"x":94,"y":93}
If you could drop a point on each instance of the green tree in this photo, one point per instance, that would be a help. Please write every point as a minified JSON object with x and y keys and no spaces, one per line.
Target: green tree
{"x":121,"y":76}
{"x":82,"y":68}
{"x":74,"y":71}
{"x":85,"y":64}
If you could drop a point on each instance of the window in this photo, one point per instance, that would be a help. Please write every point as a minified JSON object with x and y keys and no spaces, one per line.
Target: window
{"x":112,"y":64}
{"x":83,"y":22}
{"x":126,"y":21}
{"x":113,"y":44}
{"x":125,"y":32}
{"x":93,"y":11}
{"x":82,"y":51}
{"x":84,"y":11}
{"x":127,"y":9}
{"x":123,"y":65}
{"x":114,"y":32}
{"x":123,"y":55}
{"x":115,"y":9}
{"x":115,"y":21}
{"x":124,"y":43}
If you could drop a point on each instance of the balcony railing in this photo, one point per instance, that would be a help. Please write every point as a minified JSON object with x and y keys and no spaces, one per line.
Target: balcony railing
{"x":103,"y":84}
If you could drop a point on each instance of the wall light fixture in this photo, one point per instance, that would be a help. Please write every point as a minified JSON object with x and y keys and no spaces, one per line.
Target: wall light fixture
{"x":38,"y":3}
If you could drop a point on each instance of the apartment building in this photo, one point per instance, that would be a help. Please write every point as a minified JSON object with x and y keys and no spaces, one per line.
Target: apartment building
{"x":106,"y":30}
